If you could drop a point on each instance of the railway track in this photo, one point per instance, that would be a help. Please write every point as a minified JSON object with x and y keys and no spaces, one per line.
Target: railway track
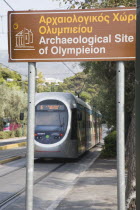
{"x":4,"y":174}
{"x":54,"y":179}
{"x":4,"y":203}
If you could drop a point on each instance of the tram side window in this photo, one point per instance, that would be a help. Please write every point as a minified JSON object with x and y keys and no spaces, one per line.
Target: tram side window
{"x":88,"y":124}
{"x":84,"y":124}
{"x":74,"y":124}
{"x":79,"y":115}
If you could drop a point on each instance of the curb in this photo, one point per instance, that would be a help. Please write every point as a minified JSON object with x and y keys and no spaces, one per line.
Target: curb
{"x":12,"y":146}
{"x":10,"y":159}
{"x":13,"y":139}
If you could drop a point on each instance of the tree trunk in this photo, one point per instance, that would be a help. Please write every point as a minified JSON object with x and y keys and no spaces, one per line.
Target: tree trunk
{"x":131,"y":166}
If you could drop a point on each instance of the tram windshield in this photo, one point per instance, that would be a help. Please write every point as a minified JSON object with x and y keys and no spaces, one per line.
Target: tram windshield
{"x":51,"y":116}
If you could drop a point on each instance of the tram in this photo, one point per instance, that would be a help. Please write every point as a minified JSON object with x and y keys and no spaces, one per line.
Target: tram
{"x":65,"y":126}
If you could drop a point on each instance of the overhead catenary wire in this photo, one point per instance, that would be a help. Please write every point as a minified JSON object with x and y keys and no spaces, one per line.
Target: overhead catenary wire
{"x":45,"y":74}
{"x":26,"y":75}
{"x":75,"y":74}
{"x":12,"y":69}
{"x":8,"y":4}
{"x":55,"y":73}
{"x":85,"y":80}
{"x":69,"y":68}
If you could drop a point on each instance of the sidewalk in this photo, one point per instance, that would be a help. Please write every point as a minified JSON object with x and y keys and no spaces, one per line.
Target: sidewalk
{"x":96,"y":188}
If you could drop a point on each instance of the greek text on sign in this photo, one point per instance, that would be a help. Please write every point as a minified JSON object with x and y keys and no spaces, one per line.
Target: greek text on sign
{"x":72,"y":35}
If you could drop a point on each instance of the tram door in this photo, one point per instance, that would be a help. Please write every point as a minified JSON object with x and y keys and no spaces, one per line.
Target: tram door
{"x":81,"y":128}
{"x":88,"y":128}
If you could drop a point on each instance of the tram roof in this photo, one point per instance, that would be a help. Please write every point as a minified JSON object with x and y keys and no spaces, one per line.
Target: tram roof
{"x":69,"y":97}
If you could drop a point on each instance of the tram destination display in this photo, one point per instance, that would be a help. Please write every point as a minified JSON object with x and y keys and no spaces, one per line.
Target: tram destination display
{"x":50,"y":107}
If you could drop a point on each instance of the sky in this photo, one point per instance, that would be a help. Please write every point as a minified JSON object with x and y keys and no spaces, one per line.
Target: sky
{"x":23,"y":5}
{"x":53,"y":69}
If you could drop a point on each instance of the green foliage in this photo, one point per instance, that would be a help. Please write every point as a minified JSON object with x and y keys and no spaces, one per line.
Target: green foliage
{"x":5,"y":134}
{"x":6,"y":73}
{"x":94,"y":3}
{"x":49,"y":88}
{"x":103,"y":74}
{"x":13,"y":101}
{"x":1,"y":124}
{"x":40,"y":79}
{"x":16,"y":80}
{"x":79,"y":85}
{"x":109,"y":148}
{"x":18,"y":132}
{"x":43,"y":86}
{"x":14,"y":133}
{"x":24,"y":130}
{"x":102,"y":78}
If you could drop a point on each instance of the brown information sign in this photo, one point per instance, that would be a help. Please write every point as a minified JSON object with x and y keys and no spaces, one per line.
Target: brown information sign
{"x":72,"y":35}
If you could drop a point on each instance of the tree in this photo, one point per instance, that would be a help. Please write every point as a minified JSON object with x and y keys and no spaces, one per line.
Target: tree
{"x":80,"y":85}
{"x":13,"y":101}
{"x":6,"y":74}
{"x":95,"y":4}
{"x":131,"y":165}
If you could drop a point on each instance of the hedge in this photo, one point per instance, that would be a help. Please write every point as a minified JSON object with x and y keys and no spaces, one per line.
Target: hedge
{"x":109,"y":148}
{"x":12,"y":134}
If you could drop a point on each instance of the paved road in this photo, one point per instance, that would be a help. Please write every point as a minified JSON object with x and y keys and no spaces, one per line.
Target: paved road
{"x":10,"y":154}
{"x":11,"y":149}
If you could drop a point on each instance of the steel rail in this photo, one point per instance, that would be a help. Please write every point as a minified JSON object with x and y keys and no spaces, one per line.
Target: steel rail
{"x":10,"y":172}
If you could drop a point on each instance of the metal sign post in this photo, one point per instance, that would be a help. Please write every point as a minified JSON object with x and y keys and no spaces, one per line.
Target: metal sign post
{"x":120,"y":67}
{"x":30,"y":136}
